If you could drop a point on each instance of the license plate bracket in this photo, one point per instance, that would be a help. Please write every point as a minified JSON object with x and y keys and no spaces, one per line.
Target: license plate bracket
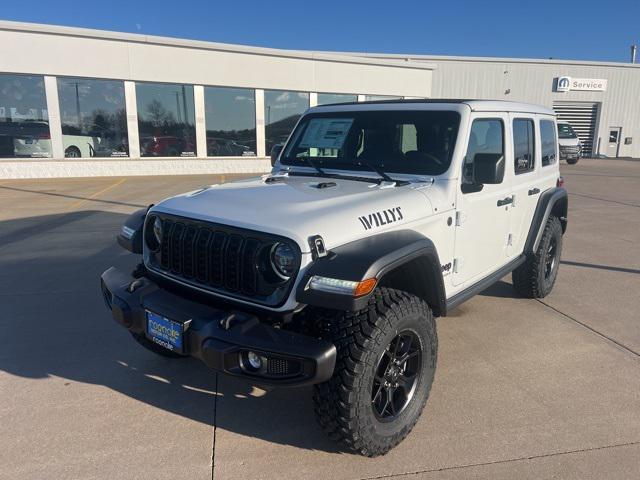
{"x":165,"y":332}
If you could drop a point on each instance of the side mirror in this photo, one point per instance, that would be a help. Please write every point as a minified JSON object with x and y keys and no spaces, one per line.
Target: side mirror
{"x":488,"y":168}
{"x":275,"y":153}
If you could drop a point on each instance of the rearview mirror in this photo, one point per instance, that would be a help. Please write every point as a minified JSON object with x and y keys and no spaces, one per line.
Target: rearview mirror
{"x":275,"y":153}
{"x":488,"y":168}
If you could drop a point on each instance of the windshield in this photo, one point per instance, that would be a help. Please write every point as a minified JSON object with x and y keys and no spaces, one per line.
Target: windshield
{"x":409,"y":141}
{"x":565,"y":131}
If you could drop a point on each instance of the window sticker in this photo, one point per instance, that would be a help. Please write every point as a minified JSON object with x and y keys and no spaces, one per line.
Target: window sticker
{"x":326,"y":133}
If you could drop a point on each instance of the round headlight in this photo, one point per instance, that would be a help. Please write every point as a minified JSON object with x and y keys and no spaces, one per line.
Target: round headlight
{"x":283,"y":260}
{"x":153,"y":233}
{"x":157,"y":230}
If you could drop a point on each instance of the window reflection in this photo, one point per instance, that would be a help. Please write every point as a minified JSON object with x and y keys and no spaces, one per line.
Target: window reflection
{"x":372,"y":98}
{"x":326,"y":98}
{"x":166,"y":120}
{"x":94,"y":120}
{"x":24,"y":120}
{"x":230,"y":115}
{"x":281,"y":113}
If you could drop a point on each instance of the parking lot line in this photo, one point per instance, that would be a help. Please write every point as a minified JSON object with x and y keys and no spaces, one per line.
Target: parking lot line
{"x":97,"y":194}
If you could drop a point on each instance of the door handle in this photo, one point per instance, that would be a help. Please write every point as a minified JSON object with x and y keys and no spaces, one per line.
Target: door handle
{"x":505,"y":201}
{"x":534,"y":191}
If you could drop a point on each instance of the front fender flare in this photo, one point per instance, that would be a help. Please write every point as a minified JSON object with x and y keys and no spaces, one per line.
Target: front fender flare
{"x":374,"y":257}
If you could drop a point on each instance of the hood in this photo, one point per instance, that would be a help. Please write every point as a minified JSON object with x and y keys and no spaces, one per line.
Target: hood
{"x":295,"y":207}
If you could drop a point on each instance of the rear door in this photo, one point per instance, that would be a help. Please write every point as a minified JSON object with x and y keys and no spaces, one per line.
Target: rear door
{"x":482,"y":219}
{"x":524,"y":174}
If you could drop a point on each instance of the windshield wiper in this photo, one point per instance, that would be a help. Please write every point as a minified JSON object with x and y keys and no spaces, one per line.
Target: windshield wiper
{"x":385,"y":176}
{"x":312,"y":164}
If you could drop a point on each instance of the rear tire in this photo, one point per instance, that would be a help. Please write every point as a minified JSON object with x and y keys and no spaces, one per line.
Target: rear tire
{"x":384,"y":370}
{"x":72,"y":152}
{"x":572,"y":161}
{"x":153,"y":347}
{"x":536,"y":277}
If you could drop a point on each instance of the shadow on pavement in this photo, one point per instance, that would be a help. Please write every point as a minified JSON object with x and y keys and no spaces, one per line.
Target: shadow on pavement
{"x":600,"y":267}
{"x":75,"y":197}
{"x":54,"y":323}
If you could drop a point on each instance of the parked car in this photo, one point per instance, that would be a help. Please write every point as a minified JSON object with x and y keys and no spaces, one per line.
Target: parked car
{"x":570,"y":146}
{"x":165,"y":146}
{"x":376,"y":219}
{"x":28,"y":138}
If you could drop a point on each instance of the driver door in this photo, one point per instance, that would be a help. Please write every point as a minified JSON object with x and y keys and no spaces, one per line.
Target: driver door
{"x":482,"y":218}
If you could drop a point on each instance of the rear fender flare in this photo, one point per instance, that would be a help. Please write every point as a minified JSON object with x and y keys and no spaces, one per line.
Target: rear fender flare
{"x":553,"y":201}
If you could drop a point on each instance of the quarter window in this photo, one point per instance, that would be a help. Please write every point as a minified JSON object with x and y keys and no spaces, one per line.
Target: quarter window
{"x":24,"y":120}
{"x":523,"y":145}
{"x":166,"y":120}
{"x":487,"y":136}
{"x":94,"y":122}
{"x":548,"y":141}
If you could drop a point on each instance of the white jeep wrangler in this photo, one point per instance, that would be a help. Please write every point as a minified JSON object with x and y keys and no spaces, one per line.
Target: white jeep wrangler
{"x":376,"y":218}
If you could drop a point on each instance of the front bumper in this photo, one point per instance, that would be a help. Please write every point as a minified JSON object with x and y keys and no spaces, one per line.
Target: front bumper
{"x":570,"y":152}
{"x":221,"y":338}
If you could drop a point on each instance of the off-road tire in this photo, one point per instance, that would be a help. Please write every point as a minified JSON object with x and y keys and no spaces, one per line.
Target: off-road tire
{"x":530,"y":279}
{"x":343,"y":405}
{"x":572,"y":161}
{"x":157,"y":349}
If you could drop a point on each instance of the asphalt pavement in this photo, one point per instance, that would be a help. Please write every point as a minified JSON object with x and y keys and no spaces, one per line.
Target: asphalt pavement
{"x":524,"y":388}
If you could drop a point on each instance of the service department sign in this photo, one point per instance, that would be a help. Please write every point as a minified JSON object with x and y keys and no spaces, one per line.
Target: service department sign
{"x":567,"y":84}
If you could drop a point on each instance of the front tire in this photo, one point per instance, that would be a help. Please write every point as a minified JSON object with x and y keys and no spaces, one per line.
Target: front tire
{"x":536,"y":277}
{"x":572,"y":161}
{"x":384,"y":371}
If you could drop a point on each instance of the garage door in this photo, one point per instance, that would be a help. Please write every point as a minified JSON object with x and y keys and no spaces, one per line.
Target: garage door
{"x":582,"y":117}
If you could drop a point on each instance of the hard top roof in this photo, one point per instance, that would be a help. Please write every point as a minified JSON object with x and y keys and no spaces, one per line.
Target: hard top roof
{"x":474,"y":105}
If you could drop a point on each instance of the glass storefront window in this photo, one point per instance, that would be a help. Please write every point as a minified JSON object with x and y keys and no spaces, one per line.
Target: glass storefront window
{"x":24,"y":120}
{"x":94,"y":119}
{"x":230,"y":116}
{"x":166,"y":120}
{"x":281,"y":113}
{"x":325,"y":98}
{"x":371,"y":98}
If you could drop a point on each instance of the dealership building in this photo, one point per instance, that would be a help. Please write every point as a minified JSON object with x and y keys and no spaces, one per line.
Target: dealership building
{"x":77,"y":102}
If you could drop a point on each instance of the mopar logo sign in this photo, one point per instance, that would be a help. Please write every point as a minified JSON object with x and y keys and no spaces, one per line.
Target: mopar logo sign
{"x":567,"y":84}
{"x":564,"y":84}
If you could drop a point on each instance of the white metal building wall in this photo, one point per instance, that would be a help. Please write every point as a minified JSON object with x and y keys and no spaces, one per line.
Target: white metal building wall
{"x":533,"y":81}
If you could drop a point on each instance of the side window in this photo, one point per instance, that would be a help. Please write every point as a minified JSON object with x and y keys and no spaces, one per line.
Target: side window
{"x":523,"y":145}
{"x":548,"y":141}
{"x":487,"y":136}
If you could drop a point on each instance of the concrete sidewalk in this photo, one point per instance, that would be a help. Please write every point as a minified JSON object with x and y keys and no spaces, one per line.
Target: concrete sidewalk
{"x":524,"y":388}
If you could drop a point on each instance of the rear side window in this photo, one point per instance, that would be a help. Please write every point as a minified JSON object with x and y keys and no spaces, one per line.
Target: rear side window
{"x":523,"y":145}
{"x":548,"y":141}
{"x":487,"y":136}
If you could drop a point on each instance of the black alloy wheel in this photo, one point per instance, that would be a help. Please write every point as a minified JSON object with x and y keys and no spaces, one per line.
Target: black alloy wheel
{"x":396,"y":373}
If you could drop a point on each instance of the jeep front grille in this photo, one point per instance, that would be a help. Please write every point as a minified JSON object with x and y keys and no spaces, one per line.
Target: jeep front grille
{"x":218,"y":258}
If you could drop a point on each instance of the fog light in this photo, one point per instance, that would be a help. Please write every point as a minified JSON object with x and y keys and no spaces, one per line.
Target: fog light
{"x":255,"y":360}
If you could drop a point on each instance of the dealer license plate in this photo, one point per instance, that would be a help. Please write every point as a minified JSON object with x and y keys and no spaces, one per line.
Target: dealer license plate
{"x":165,"y":332}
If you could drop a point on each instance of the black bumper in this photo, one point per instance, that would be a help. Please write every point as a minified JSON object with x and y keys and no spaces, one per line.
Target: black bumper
{"x":221,"y":338}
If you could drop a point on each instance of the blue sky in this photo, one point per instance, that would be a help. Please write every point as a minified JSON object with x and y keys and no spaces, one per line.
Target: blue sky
{"x":583,"y":29}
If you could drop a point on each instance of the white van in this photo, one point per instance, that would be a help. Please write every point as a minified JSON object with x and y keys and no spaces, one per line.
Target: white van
{"x":570,"y":146}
